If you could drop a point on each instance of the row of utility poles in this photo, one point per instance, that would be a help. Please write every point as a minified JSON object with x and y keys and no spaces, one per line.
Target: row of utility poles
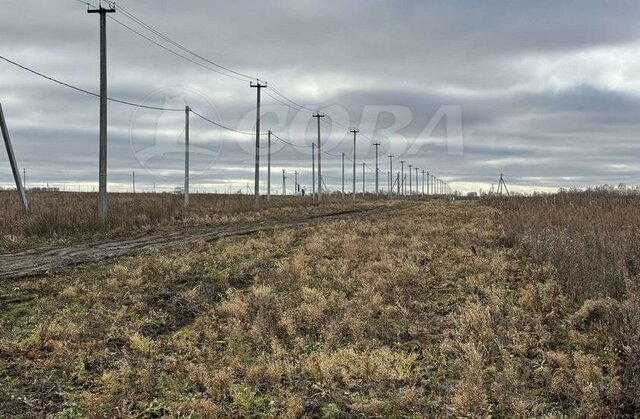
{"x":438,"y":186}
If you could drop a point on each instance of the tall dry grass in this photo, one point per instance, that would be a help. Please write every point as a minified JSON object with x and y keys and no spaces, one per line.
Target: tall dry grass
{"x":64,"y":217}
{"x":593,"y":242}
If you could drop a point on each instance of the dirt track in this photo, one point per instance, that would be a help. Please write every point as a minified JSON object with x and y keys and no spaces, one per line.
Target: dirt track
{"x":45,"y":260}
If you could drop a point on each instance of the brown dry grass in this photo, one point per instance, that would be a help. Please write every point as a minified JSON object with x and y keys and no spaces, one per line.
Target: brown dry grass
{"x":419,"y":312}
{"x":593,"y":243}
{"x":63,"y":218}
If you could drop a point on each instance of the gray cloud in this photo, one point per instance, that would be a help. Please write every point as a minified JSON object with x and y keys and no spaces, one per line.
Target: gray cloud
{"x":546,"y":88}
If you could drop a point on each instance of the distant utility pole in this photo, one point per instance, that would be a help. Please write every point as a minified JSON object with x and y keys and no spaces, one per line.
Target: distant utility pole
{"x":363,"y":185}
{"x":269,"y":166}
{"x":12,"y":161}
{"x":402,"y":162}
{"x":423,"y":183}
{"x":318,"y":115}
{"x":410,"y":186}
{"x":343,"y":175}
{"x":390,"y":176}
{"x":295,"y":182}
{"x":102,"y":166}
{"x":417,"y":191}
{"x":187,"y":110}
{"x":428,"y":177}
{"x":377,"y":183}
{"x":355,"y":133}
{"x":284,"y":183}
{"x":501,"y":185}
{"x":398,"y":183}
{"x":259,"y":86}
{"x":313,"y":169}
{"x":134,"y":182}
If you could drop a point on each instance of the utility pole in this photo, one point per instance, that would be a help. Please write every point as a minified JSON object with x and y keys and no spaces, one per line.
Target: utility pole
{"x":423,"y":183}
{"x":256,"y":187}
{"x":24,"y":178}
{"x":269,"y":166}
{"x":417,"y":191}
{"x":187,"y":110}
{"x":502,"y":184}
{"x":410,"y":186}
{"x":318,"y":115}
{"x":363,"y":185}
{"x":12,"y":161}
{"x":377,"y":183}
{"x":428,"y":177}
{"x":390,"y":176}
{"x":102,"y":166}
{"x":355,"y":132}
{"x":295,"y":182}
{"x":402,"y":162}
{"x":313,"y":169}
{"x":134,"y":182}
{"x":398,"y":183}
{"x":343,"y":175}
{"x":284,"y":183}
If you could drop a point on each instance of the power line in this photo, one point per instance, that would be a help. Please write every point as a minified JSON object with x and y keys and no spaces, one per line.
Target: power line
{"x":78,"y":89}
{"x":290,"y":143}
{"x":220,"y":125}
{"x":180,"y":46}
{"x":172,"y":51}
{"x":243,"y":77}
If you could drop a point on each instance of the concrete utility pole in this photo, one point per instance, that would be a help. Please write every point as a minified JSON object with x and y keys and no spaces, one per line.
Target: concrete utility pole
{"x":102,"y":166}
{"x":269,"y":166}
{"x":12,"y":161}
{"x":318,"y":115}
{"x":417,"y":190}
{"x":355,"y":133}
{"x":363,"y":186}
{"x":256,"y":187}
{"x":342,"y":175}
{"x":410,"y":181}
{"x":390,"y":176}
{"x":187,"y":110}
{"x":284,"y":183}
{"x":134,"y":182}
{"x":402,"y":162}
{"x":428,"y":176}
{"x":376,"y":145}
{"x":313,"y":169}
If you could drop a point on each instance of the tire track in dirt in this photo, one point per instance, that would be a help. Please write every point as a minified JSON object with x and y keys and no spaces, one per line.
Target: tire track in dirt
{"x":48,"y":260}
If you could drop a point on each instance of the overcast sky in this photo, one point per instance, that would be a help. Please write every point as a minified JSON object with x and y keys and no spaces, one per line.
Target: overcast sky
{"x":546,"y":92}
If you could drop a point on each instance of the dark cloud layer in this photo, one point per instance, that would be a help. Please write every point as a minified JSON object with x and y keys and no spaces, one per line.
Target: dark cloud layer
{"x":547,"y":89}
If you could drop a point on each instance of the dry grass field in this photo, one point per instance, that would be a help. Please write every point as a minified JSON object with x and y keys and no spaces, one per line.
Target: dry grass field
{"x":430,"y":309}
{"x":593,"y":245}
{"x":64,"y":218}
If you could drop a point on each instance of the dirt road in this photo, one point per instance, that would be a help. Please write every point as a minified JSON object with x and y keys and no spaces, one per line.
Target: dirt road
{"x":45,"y":260}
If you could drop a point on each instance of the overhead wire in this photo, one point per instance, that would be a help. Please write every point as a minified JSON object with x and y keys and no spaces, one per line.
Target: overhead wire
{"x":180,"y":46}
{"x":220,"y":125}
{"x":283,"y":99}
{"x":79,"y":89}
{"x":245,"y":77}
